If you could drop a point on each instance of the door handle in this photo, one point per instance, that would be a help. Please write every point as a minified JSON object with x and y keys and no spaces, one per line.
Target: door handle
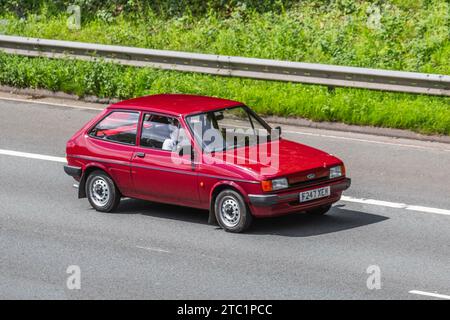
{"x":140,"y":154}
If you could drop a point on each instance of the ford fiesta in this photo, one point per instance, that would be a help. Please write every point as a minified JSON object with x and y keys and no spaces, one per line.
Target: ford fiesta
{"x":200,"y":152}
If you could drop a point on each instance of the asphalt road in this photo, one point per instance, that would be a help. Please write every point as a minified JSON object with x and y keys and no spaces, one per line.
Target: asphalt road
{"x":156,"y":251}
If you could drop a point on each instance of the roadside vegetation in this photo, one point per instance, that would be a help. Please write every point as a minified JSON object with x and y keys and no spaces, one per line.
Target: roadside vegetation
{"x":423,"y":114}
{"x":399,"y":34}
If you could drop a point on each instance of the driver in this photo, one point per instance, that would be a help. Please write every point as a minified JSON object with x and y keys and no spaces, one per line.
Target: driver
{"x":171,"y":142}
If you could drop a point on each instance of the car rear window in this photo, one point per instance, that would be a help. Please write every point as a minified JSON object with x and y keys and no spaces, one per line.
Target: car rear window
{"x":118,"y":126}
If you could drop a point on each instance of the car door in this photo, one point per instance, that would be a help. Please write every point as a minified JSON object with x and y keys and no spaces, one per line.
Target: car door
{"x":157,"y":172}
{"x":111,"y":144}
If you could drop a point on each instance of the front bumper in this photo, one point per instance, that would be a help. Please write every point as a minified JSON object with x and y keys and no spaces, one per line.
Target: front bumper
{"x":288,"y":201}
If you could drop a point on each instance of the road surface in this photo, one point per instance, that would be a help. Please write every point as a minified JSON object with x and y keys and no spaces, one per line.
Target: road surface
{"x":154,"y":251}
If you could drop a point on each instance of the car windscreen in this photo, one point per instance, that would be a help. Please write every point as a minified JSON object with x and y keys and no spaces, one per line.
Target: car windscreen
{"x":229,"y":128}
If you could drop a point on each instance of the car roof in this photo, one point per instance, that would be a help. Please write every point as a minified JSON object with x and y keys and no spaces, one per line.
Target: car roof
{"x":175,"y":104}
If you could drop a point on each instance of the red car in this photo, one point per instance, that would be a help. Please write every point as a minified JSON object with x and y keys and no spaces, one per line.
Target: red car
{"x":200,"y":152}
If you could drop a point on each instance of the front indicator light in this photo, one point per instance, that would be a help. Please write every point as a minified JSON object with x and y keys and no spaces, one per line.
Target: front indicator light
{"x":266,"y":185}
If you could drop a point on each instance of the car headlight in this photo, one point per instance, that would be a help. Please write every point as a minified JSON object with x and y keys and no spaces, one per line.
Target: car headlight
{"x":275,"y":184}
{"x":336,"y":172}
{"x":278,"y":184}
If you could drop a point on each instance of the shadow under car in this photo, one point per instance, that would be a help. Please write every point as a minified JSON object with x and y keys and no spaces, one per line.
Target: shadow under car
{"x":293,"y":225}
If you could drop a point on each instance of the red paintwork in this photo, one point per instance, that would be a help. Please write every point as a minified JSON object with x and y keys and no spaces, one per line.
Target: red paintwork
{"x":156,"y":178}
{"x":176,"y":104}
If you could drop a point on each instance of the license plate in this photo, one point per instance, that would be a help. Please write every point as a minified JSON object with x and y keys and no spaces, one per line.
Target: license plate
{"x":314,"y":194}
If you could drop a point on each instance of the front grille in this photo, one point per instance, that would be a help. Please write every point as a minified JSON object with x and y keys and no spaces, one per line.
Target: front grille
{"x":300,"y":179}
{"x":309,"y":182}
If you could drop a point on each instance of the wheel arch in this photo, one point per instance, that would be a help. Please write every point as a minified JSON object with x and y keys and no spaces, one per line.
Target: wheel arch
{"x":88,"y":169}
{"x":219,"y":187}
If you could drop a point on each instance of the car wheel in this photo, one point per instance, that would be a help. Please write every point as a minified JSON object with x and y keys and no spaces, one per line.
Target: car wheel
{"x":102,"y":192}
{"x":231,"y":211}
{"x":320,"y":211}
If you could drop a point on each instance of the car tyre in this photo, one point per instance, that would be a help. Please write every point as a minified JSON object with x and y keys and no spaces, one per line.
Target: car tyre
{"x":102,"y":192}
{"x":320,"y":211}
{"x":231,"y":211}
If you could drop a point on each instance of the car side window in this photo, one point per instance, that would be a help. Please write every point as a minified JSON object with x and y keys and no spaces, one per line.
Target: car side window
{"x":118,"y":126}
{"x":160,"y":132}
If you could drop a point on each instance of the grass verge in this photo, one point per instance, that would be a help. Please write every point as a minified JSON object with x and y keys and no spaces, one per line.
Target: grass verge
{"x":423,"y":114}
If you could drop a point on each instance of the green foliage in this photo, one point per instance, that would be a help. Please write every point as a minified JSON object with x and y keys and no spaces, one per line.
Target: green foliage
{"x":163,"y":7}
{"x":410,"y":35}
{"x":398,"y":34}
{"x":353,"y":106}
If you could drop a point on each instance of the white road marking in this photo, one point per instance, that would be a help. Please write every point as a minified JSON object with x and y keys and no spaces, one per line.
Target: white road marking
{"x":364,"y":140}
{"x":343,"y":198}
{"x":396,"y":205}
{"x":32,"y":156}
{"x":430,"y":294}
{"x":153,"y":249}
{"x":51,"y":103}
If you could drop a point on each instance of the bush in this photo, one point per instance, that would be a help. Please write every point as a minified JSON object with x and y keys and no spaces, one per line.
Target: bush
{"x":344,"y":32}
{"x":164,"y":7}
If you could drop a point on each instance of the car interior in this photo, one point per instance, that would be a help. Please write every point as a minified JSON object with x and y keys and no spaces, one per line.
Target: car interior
{"x":157,"y":129}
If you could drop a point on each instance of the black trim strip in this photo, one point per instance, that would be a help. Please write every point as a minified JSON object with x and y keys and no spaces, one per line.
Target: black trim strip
{"x":263,"y":200}
{"x":315,"y":182}
{"x":72,"y":171}
{"x":344,"y":185}
{"x":309,"y":182}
